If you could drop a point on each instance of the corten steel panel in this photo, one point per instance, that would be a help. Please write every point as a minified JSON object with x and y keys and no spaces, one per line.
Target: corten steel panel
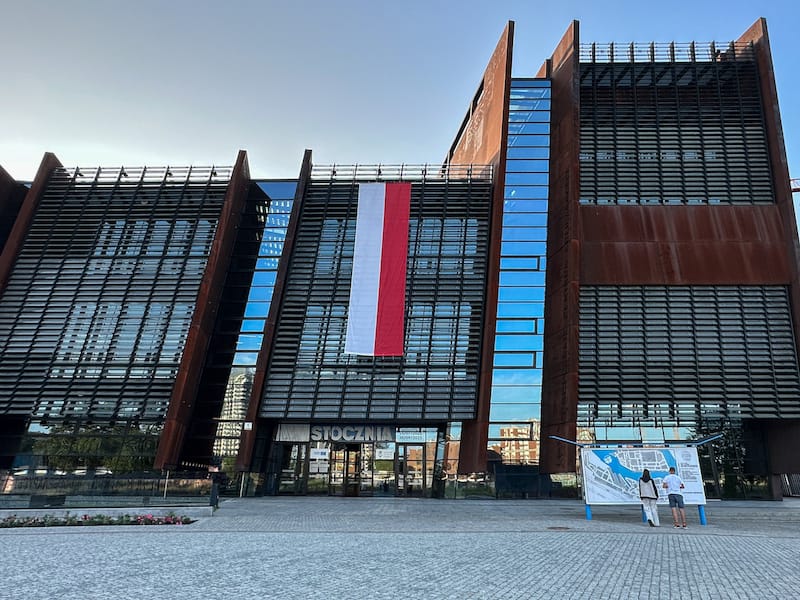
{"x":758,"y":35}
{"x":12,"y":428}
{"x":683,"y":245}
{"x":566,"y":50}
{"x":789,"y":444}
{"x":11,"y":196}
{"x":181,"y":405}
{"x":560,"y":368}
{"x":244,"y":460}
{"x":26,"y":212}
{"x":481,"y":140}
{"x":484,"y":141}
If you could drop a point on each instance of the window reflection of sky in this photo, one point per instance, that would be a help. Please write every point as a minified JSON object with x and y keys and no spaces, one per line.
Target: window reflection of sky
{"x":517,"y":374}
{"x":281,"y":197}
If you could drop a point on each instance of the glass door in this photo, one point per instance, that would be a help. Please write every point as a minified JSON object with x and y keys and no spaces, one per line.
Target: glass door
{"x":345,"y":470}
{"x":411,"y":471}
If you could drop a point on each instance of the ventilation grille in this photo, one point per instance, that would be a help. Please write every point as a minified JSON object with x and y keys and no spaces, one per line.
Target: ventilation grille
{"x":94,"y":319}
{"x":310,"y":376}
{"x":673,"y":133}
{"x":678,"y":356}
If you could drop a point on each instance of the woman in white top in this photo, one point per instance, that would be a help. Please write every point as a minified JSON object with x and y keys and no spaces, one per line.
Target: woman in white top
{"x":648,"y":492}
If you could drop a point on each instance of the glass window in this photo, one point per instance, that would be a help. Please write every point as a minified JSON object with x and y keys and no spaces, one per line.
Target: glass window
{"x":253,"y":325}
{"x":528,"y":128}
{"x":528,"y":116}
{"x":527,"y":166}
{"x":530,"y":139}
{"x":249,"y":342}
{"x":516,"y":326}
{"x":523,"y":248}
{"x":529,"y":104}
{"x":520,"y":264}
{"x":527,"y":178}
{"x":524,"y":234}
{"x":514,"y":219}
{"x":518,"y":342}
{"x":525,"y":206}
{"x":257,"y":309}
{"x":522,"y":278}
{"x":519,"y":309}
{"x":516,"y":394}
{"x":514,"y":412}
{"x":527,"y":192}
{"x":528,"y":152}
{"x":516,"y":377}
{"x":513,"y":360}
{"x":521,"y":294}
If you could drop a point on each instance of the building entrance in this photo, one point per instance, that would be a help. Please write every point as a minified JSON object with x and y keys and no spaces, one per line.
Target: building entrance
{"x":346,"y":467}
{"x":413,"y":472}
{"x":350,"y":470}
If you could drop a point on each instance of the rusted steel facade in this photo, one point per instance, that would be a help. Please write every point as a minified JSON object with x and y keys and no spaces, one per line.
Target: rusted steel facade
{"x":619,"y":244}
{"x":601,"y":238}
{"x":11,"y":196}
{"x":182,"y":404}
{"x":560,"y":374}
{"x":482,"y":139}
{"x":635,"y":243}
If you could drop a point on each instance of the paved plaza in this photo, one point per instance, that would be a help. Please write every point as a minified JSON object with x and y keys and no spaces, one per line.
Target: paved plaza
{"x":406,"y":548}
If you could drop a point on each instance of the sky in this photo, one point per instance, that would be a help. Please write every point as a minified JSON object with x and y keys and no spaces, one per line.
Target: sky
{"x":180,"y":82}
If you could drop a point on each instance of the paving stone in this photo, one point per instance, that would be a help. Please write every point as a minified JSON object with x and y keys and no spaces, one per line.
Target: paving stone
{"x":404,"y":548}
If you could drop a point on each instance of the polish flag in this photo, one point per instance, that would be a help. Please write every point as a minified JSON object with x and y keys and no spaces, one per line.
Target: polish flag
{"x":376,"y":316}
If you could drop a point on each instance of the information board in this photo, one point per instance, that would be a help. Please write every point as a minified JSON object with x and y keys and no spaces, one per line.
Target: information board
{"x":611,"y":475}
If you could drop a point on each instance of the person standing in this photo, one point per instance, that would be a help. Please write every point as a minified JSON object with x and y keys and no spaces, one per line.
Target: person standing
{"x":648,"y":492}
{"x":674,"y":486}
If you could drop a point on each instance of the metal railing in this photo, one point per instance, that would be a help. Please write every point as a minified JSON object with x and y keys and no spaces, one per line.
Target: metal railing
{"x":401,"y":172}
{"x":635,"y":52}
{"x":165,"y":174}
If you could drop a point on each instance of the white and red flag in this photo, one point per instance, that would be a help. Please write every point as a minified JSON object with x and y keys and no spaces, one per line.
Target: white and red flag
{"x":376,"y":316}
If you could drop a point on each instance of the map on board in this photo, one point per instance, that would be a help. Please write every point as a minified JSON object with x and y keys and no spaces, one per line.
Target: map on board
{"x":611,"y":475}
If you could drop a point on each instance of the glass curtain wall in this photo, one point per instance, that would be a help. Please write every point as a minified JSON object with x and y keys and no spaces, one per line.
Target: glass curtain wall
{"x":240,"y":383}
{"x":517,"y":370}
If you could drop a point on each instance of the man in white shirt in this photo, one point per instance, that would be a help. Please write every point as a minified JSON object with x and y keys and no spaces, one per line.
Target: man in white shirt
{"x":674,"y":484}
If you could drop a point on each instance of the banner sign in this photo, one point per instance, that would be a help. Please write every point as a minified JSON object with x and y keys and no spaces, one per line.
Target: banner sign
{"x":611,"y":475}
{"x":356,"y":433}
{"x":352,"y":433}
{"x":376,"y":312}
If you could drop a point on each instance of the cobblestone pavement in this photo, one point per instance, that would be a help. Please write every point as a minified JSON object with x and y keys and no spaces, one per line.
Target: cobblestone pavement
{"x":377,"y":548}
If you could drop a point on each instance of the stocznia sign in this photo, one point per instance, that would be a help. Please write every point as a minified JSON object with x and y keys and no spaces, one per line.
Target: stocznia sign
{"x":352,"y":433}
{"x":304,"y":432}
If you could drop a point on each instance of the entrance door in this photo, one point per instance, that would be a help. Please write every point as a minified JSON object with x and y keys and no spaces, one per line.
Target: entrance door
{"x":345,"y":470}
{"x":411,"y":472}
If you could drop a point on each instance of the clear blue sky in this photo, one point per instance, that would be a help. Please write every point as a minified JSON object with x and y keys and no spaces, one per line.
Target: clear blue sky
{"x":192,"y":82}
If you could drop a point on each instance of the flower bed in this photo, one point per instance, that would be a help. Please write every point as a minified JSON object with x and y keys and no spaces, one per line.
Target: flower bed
{"x":68,"y":519}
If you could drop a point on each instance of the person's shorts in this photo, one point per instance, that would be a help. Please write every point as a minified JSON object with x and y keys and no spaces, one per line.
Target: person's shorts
{"x":676,"y":500}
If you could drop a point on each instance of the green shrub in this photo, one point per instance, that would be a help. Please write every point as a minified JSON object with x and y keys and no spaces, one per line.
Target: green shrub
{"x":74,"y":520}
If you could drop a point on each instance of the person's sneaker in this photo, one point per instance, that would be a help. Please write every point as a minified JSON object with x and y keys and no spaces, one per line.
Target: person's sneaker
{"x":684,"y":525}
{"x":676,"y":525}
{"x":650,"y":522}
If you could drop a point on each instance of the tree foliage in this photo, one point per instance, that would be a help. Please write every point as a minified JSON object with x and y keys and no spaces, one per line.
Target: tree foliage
{"x":118,"y":448}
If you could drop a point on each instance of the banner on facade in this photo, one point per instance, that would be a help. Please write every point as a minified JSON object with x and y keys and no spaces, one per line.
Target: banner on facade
{"x":611,"y":475}
{"x":376,"y":313}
